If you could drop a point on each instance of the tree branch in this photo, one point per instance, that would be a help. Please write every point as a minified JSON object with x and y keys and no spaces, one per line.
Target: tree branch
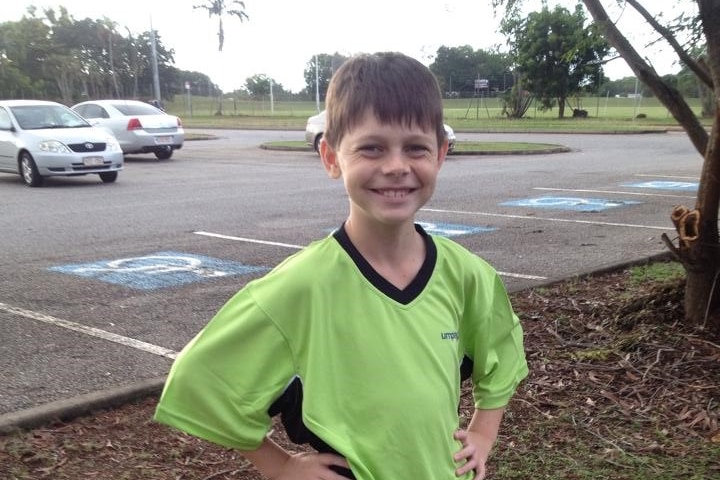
{"x":702,"y":73}
{"x":668,"y":95}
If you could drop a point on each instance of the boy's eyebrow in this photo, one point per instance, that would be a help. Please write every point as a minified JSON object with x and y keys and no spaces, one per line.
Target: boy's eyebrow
{"x":405,"y":139}
{"x":406,"y":136}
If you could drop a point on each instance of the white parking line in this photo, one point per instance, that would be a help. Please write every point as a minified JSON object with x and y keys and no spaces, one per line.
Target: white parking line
{"x":249,"y":240}
{"x":298,"y":247}
{"x":682,"y":177}
{"x":93,"y":332}
{"x":548,"y":219}
{"x":642,"y":194}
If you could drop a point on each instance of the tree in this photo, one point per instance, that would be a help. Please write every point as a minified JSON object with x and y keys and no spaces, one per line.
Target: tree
{"x":326,"y":66}
{"x":698,"y":243}
{"x":55,"y":56}
{"x":457,"y":68}
{"x":23,"y":49}
{"x":516,"y":101}
{"x":556,"y":54}
{"x":259,"y":86}
{"x":621,"y":86}
{"x":698,"y":248}
{"x":220,"y":9}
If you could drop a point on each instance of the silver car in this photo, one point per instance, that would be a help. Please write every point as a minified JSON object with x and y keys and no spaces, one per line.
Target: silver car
{"x":138,"y":126}
{"x":315,"y":128}
{"x":41,"y":139}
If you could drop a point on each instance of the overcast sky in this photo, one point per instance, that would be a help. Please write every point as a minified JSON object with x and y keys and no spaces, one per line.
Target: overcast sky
{"x":281,"y":36}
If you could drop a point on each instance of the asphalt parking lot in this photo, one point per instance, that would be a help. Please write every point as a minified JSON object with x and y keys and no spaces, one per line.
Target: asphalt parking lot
{"x":103,"y":284}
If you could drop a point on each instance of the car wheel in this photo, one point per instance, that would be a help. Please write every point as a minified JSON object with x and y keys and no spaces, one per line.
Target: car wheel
{"x":316,"y":144}
{"x":164,"y":153}
{"x":29,"y":171}
{"x":108,"y":177}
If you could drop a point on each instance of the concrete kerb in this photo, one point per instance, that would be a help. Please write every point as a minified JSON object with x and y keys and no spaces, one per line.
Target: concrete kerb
{"x":82,"y":405}
{"x":609,"y":268}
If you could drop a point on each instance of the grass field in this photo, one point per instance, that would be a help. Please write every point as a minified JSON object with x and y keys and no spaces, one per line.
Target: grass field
{"x":480,"y":114}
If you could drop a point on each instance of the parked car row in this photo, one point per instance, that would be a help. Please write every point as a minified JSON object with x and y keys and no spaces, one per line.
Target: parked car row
{"x":315,"y":128}
{"x":40,"y":139}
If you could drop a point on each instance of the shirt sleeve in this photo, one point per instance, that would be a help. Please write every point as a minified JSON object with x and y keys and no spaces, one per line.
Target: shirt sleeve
{"x":493,"y":339}
{"x":222,"y":383}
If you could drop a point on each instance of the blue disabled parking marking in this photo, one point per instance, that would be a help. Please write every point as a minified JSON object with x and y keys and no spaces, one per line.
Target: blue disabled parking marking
{"x":665,"y":185}
{"x":158,"y":270}
{"x":452,"y":230}
{"x":570,"y":203}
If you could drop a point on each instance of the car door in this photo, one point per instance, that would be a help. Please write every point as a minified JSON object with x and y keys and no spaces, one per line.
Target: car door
{"x":96,"y":115}
{"x":8,"y":150}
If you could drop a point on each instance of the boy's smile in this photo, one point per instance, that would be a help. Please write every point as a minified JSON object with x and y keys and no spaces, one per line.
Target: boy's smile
{"x":389,"y":170}
{"x":394,"y":193}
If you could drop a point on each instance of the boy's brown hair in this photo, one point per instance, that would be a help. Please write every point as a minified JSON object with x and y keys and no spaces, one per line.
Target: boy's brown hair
{"x":398,"y":89}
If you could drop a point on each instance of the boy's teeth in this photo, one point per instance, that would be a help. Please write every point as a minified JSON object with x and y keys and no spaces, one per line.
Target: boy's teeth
{"x":394,"y":193}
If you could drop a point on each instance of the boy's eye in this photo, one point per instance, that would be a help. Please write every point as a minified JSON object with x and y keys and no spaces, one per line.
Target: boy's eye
{"x":370,"y":149}
{"x":418,"y":149}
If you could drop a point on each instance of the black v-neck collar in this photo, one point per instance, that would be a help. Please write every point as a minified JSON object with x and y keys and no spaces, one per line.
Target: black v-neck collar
{"x":409,"y":293}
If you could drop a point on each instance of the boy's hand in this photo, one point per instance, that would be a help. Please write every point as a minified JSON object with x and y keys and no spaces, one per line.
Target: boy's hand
{"x":469,"y":454}
{"x":312,"y":466}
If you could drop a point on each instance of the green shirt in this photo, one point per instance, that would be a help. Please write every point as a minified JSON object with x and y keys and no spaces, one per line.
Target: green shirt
{"x":378,"y":368}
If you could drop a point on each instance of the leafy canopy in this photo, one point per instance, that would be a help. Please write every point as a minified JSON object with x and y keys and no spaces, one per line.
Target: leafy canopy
{"x":556,"y":53}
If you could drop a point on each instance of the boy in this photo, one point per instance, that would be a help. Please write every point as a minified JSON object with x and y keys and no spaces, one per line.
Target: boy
{"x":358,"y":341}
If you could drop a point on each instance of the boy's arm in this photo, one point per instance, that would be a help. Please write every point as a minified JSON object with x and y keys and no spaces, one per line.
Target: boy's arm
{"x":275,"y":463}
{"x":269,"y":458}
{"x":478,"y":440}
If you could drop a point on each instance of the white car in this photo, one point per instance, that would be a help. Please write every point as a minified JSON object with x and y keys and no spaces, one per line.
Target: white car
{"x":138,"y":126}
{"x":315,"y":128}
{"x":41,"y":139}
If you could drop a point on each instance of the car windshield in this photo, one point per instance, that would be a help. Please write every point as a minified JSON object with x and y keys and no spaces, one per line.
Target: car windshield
{"x":35,"y":117}
{"x":132,"y":109}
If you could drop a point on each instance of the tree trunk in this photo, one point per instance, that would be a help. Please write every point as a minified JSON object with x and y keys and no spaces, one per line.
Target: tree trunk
{"x":698,"y":241}
{"x":698,"y":248}
{"x":701,"y":289}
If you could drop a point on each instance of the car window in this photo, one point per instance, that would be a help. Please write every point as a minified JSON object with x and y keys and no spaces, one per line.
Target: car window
{"x":92,"y":111}
{"x":33,"y":117}
{"x":131,"y":109}
{"x":5,"y":123}
{"x":68,"y":118}
{"x":29,"y":117}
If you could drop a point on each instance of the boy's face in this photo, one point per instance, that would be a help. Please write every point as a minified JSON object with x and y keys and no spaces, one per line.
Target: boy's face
{"x":389,"y":170}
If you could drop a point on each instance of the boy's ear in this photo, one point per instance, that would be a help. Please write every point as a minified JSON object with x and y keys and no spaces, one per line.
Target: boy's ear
{"x":442,"y":152}
{"x":329,"y":160}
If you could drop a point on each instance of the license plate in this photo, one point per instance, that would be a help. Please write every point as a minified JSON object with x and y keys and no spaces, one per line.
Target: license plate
{"x":163,"y":140}
{"x":93,"y":161}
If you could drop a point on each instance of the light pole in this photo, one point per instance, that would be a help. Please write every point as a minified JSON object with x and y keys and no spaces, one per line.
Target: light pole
{"x":156,"y":75}
{"x":317,"y":85}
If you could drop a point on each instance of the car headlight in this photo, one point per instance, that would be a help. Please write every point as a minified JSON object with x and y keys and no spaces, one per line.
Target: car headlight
{"x":111,"y":144}
{"x":53,"y":146}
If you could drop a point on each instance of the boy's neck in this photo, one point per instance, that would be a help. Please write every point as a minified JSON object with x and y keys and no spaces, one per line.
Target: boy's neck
{"x":395,"y":251}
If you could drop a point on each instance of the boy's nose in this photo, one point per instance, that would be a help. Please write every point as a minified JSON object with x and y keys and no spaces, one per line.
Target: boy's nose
{"x":396,"y":163}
